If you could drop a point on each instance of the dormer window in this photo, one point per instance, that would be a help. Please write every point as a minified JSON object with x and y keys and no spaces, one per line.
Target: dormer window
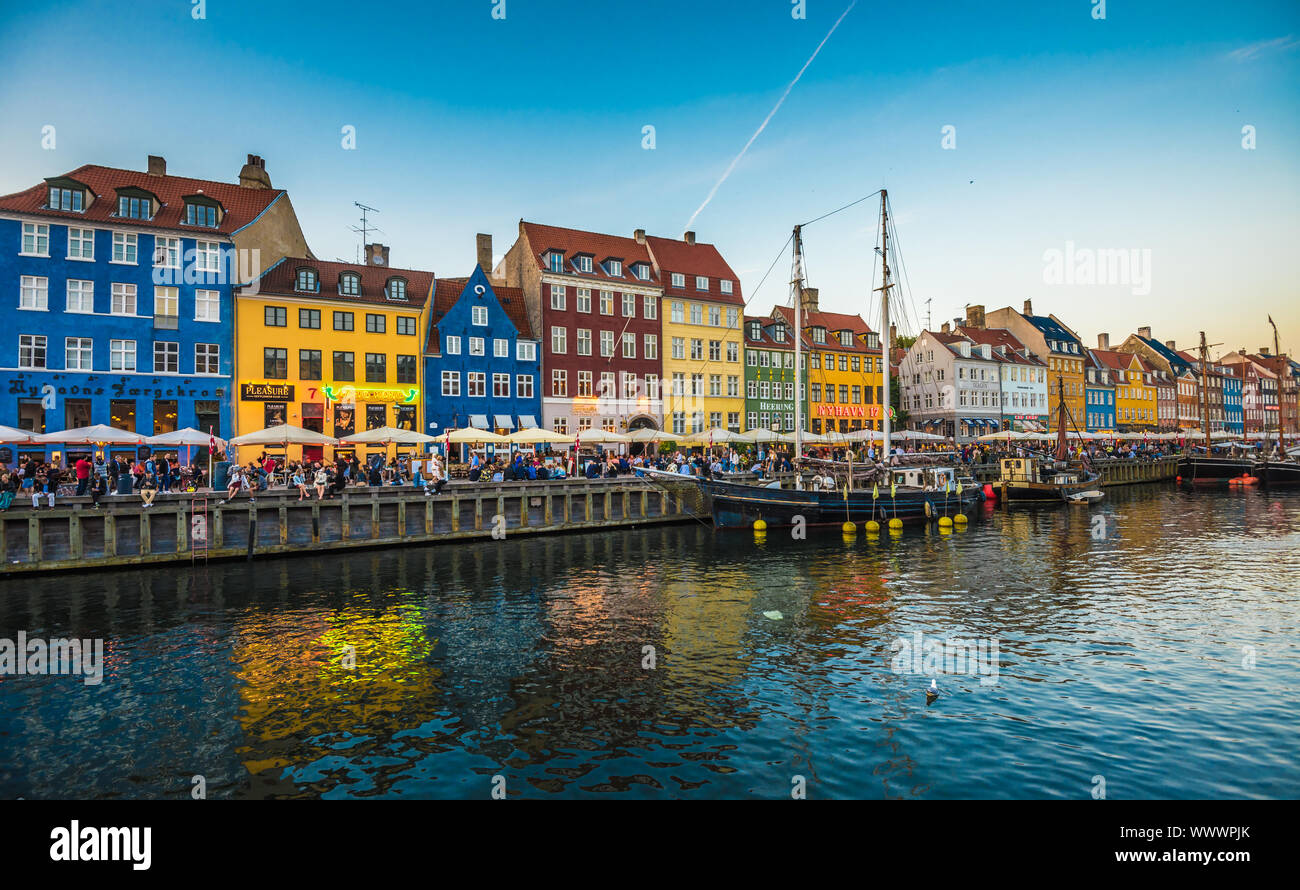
{"x":583,"y":263}
{"x":873,"y":340}
{"x":614,"y":268}
{"x":350,"y":284}
{"x":396,"y":289}
{"x":701,"y":282}
{"x":755,"y":330}
{"x":307,"y":281}
{"x":779,"y":334}
{"x":641,"y":271}
{"x":819,"y":335}
{"x":725,"y":284}
{"x":67,"y":199}
{"x":846,"y":338}
{"x":135,"y":207}
{"x":200,"y":214}
{"x":555,"y":261}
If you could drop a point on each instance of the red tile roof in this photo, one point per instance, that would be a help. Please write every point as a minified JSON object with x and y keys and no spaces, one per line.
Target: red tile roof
{"x":574,"y":242}
{"x":241,"y":205}
{"x":1116,"y":361}
{"x":691,"y":260}
{"x":281,"y":279}
{"x":831,"y":321}
{"x":1017,"y":354}
{"x":766,"y":338}
{"x":446,"y":293}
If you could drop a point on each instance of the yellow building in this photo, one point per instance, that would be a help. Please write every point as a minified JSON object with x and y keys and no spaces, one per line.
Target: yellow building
{"x":844,"y":368}
{"x":332,"y":347}
{"x":703,"y":353}
{"x":1136,"y":393}
{"x":1060,"y":348}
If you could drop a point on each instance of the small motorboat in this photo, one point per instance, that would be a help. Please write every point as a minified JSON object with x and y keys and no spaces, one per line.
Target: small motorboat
{"x":1085,"y":497}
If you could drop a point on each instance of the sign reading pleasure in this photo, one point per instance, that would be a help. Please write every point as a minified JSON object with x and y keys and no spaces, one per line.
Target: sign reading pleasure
{"x":266,"y":392}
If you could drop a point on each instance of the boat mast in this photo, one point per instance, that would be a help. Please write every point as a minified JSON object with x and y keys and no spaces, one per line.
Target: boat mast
{"x":885,"y":345}
{"x":1205,"y":392}
{"x":796,"y":289}
{"x":1281,"y":435}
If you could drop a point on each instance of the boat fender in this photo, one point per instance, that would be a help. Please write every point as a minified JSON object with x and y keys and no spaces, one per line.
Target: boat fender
{"x":929,"y":510}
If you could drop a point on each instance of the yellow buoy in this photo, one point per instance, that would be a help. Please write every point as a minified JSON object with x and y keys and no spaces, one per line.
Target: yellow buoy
{"x":960,"y":519}
{"x":849,"y":528}
{"x":872,"y":525}
{"x":945,"y":522}
{"x":760,"y":525}
{"x":895,"y":524}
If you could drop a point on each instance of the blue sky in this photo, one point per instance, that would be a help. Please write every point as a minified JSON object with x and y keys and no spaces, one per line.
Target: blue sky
{"x":1117,"y":133}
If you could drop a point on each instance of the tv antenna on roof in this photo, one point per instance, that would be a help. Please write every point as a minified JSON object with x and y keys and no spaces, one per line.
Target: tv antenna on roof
{"x":927,"y":313}
{"x":365,"y":228}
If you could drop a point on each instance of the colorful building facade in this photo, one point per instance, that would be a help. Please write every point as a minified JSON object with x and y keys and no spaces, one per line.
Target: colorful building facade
{"x":1022,"y":375}
{"x":1059,"y":347}
{"x":770,"y":400}
{"x":845,"y":383}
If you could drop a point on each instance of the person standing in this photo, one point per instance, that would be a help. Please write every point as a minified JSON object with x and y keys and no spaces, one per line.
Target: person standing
{"x":82,"y":469}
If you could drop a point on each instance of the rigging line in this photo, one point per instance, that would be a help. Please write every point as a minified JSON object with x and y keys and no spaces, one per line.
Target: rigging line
{"x":845,"y":207}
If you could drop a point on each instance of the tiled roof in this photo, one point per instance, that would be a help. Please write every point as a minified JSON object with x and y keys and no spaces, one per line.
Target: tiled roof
{"x":448,"y":291}
{"x":1116,"y":361}
{"x":765,"y":337}
{"x":692,"y":260}
{"x":574,"y":242}
{"x":281,"y":279}
{"x":832,"y":321}
{"x":240,"y":204}
{"x":1052,"y":328}
{"x":1016,"y":353}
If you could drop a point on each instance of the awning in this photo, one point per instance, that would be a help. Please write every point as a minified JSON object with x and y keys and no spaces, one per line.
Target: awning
{"x":505,"y":422}
{"x":995,"y":424}
{"x":527,"y":422}
{"x":478,"y":421}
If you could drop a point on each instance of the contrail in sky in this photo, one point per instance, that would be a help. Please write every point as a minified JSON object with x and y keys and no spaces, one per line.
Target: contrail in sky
{"x":770,"y":115}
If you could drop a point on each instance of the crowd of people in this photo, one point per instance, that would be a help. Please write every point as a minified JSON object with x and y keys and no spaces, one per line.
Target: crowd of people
{"x":39,"y":479}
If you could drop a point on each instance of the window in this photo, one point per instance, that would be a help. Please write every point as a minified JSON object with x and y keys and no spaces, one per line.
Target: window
{"x":374,"y":323}
{"x":406,"y":369}
{"x":584,"y":299}
{"x":342,"y":321}
{"x":376,"y":367}
{"x":344,"y":366}
{"x":524,"y":386}
{"x":715,"y":350}
{"x":166,"y":357}
{"x":67,"y":199}
{"x":121,"y":355}
{"x":584,"y":384}
{"x":697,"y":313}
{"x":453,"y":345}
{"x":207,"y":256}
{"x":476,"y":384}
{"x":679,"y":347}
{"x":78,"y":354}
{"x":725,"y":284}
{"x":701,"y":282}
{"x":607,"y":344}
{"x":715,"y":316}
{"x":629,"y":346}
{"x":197,"y":214}
{"x":652,"y":386}
{"x":555,"y":261}
{"x":276,"y":316}
{"x":557,"y":297}
{"x":476,"y":346}
{"x":480,"y":316}
{"x":207,"y":358}
{"x":123,"y":302}
{"x":36,"y":239}
{"x":33,"y":292}
{"x":733,"y":351}
{"x":31,"y":351}
{"x":500,"y":386}
{"x":81,"y":244}
{"x":652,"y":346}
{"x":677,"y":312}
{"x":307,"y":281}
{"x":641,"y":271}
{"x":309,"y":318}
{"x":124,"y":247}
{"x":615,"y":268}
{"x":81,"y":296}
{"x":135,"y":208}
{"x":525,"y":351}
{"x":275,"y":363}
{"x":559,"y":383}
{"x":697,"y":350}
{"x":679,"y":279}
{"x":309,"y":364}
{"x":207,"y":305}
{"x":650,"y":308}
{"x":559,"y":345}
{"x":606,"y":302}
{"x":350,"y":284}
{"x":583,"y":263}
{"x":451,"y":383}
{"x":166,"y":302}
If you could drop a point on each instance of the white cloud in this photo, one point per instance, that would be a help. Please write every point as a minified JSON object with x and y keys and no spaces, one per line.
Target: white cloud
{"x":1252,"y":51}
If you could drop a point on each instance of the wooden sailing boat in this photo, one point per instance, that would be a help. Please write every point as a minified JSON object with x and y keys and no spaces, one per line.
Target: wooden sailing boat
{"x":1284,"y":471}
{"x":1209,"y":467}
{"x":1041,"y":480}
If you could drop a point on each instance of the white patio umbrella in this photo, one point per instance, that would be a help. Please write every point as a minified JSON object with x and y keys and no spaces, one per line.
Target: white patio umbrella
{"x":535,"y":435}
{"x":866,"y":436}
{"x":602,"y":436}
{"x":648,"y":435}
{"x":96,"y":434}
{"x":717,"y":435}
{"x":387,"y":435}
{"x":761,"y":434}
{"x":13,"y":436}
{"x":472,"y":436}
{"x":185,"y":437}
{"x":284,"y":434}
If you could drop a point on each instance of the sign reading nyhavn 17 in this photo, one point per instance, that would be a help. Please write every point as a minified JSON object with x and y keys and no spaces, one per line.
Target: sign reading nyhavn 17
{"x":266,"y":392}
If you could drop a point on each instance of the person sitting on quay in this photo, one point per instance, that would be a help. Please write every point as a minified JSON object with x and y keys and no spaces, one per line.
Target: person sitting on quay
{"x":98,"y":489}
{"x":9,"y":483}
{"x":148,"y":490}
{"x":45,"y":484}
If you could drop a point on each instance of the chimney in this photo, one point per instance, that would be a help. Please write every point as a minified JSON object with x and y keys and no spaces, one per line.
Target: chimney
{"x":689,"y":238}
{"x":809,"y":302}
{"x":975,"y":317}
{"x":484,"y":245}
{"x":157,"y":165}
{"x":639,"y":236}
{"x":377,"y":255}
{"x":945,"y":328}
{"x":1103,"y":341}
{"x":893,"y":335}
{"x":1144,"y":333}
{"x":1029,"y":307}
{"x":1170,"y":345}
{"x":253,"y":174}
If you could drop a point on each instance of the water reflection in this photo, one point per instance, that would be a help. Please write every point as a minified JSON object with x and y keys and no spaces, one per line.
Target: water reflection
{"x":426,"y":672}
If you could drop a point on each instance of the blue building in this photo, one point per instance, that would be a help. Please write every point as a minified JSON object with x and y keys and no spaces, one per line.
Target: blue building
{"x":121,"y":285}
{"x":482,"y":367}
{"x":1233,"y":404}
{"x":1098,"y":395}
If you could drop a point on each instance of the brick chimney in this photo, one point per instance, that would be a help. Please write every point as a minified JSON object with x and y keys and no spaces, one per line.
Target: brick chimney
{"x":975,"y":317}
{"x":483,"y":245}
{"x":639,"y":236}
{"x":377,"y":255}
{"x":253,"y":174}
{"x":157,"y":165}
{"x":1029,"y":307}
{"x":1144,"y":333}
{"x":893,"y":336}
{"x":689,"y":238}
{"x":1103,"y":341}
{"x":1170,"y":345}
{"x":945,"y":328}
{"x":809,"y":303}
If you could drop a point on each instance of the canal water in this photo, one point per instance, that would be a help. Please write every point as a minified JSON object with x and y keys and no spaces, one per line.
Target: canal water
{"x":1146,"y":647}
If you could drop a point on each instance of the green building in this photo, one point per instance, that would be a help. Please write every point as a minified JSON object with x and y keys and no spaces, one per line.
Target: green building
{"x":769,"y":376}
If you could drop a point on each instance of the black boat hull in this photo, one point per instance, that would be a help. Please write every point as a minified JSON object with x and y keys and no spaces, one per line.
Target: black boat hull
{"x":740,"y":506}
{"x":1278,"y":472}
{"x":1213,"y":469}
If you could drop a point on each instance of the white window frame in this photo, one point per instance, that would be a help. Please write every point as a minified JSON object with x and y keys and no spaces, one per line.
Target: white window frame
{"x":30,"y":343}
{"x":451,"y":383}
{"x":477,"y":346}
{"x":129,"y":242}
{"x":39,"y":235}
{"x":34,"y":293}
{"x":123,"y":291}
{"x":211,"y":300}
{"x":525,"y":351}
{"x":453,"y":344}
{"x":83,"y":348}
{"x":85,"y":291}
{"x":650,"y":307}
{"x":500,"y":347}
{"x":83,"y":238}
{"x":122,"y":355}
{"x":211,"y":353}
{"x":479,"y":316}
{"x":523,"y":386}
{"x":170,"y":351}
{"x":168,"y":250}
{"x":476,"y":380}
{"x":207,"y":257}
